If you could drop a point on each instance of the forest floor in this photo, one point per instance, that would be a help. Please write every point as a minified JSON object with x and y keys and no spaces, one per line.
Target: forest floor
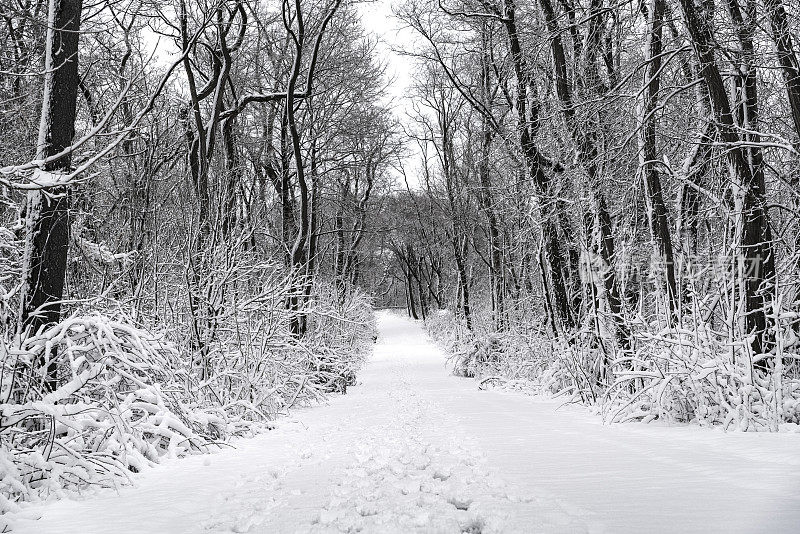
{"x":413,"y":449}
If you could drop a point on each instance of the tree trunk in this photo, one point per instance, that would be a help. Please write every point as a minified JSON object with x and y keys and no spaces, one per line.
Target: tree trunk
{"x":412,"y":307}
{"x":559,"y":275}
{"x":47,"y":215}
{"x":485,"y":197}
{"x":656,"y":207}
{"x":782,"y":36}
{"x":313,"y":238}
{"x":585,"y":138}
{"x":463,"y":282}
{"x":754,"y":260}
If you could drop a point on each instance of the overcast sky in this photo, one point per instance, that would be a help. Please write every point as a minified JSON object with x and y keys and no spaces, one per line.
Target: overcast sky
{"x":379,"y":19}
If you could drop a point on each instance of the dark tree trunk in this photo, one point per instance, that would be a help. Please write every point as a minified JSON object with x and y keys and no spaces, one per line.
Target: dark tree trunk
{"x":656,"y":207}
{"x":412,"y":307}
{"x":47,"y":215}
{"x":585,"y":138}
{"x":424,"y":300}
{"x":782,"y":36}
{"x":463,"y":282}
{"x":755,"y":259}
{"x":559,"y":278}
{"x":485,"y":197}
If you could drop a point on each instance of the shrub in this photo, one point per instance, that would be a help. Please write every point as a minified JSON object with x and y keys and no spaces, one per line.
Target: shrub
{"x":128,"y":397}
{"x":683,"y":375}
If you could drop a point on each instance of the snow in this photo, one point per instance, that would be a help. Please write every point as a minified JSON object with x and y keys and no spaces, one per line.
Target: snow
{"x":414,"y":449}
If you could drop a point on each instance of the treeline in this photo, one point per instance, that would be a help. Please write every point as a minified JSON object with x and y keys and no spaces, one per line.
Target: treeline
{"x":610,"y":195}
{"x":179,"y":243}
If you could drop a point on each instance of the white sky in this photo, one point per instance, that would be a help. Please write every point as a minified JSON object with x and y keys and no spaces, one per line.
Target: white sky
{"x":379,"y":19}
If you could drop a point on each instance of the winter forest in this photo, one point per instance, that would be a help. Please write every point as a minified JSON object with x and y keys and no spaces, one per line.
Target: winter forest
{"x":399,"y":266}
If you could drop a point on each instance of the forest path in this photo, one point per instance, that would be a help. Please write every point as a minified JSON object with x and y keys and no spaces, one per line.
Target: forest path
{"x":413,"y":449}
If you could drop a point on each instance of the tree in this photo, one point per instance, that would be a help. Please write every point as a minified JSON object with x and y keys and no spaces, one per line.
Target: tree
{"x":754,"y":259}
{"x":656,"y":206}
{"x":47,"y":207}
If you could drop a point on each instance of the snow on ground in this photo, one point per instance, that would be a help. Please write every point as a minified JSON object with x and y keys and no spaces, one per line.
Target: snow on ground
{"x":413,"y":449}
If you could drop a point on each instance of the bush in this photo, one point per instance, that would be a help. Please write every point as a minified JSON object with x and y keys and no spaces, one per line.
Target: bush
{"x":128,"y":397}
{"x":681,"y":375}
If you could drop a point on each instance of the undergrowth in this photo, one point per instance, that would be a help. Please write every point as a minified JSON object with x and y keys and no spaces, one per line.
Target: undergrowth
{"x":129,"y":395}
{"x":687,"y":374}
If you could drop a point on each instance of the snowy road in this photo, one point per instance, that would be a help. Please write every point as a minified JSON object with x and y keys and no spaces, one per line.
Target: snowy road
{"x":412,"y":449}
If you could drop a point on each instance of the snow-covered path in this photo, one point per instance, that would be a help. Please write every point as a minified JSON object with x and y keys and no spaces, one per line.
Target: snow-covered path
{"x":413,"y":449}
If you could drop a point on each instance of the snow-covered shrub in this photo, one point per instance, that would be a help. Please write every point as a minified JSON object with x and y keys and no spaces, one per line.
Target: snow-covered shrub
{"x":256,"y":369}
{"x":198,"y":353}
{"x":342,"y":331}
{"x":446,"y":330}
{"x":518,"y":359}
{"x":690,"y":374}
{"x":127,"y":397}
{"x":695,"y":375}
{"x":121,"y":404}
